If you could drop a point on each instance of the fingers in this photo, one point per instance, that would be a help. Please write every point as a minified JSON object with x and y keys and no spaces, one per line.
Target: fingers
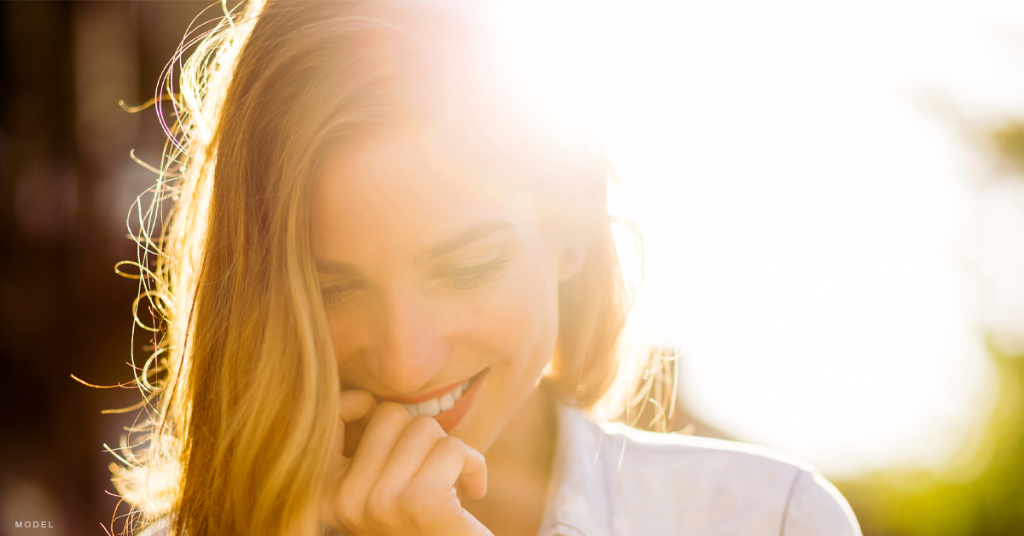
{"x":379,"y":439}
{"x":355,"y":409}
{"x":402,"y":476}
{"x":412,"y":449}
{"x":452,"y":460}
{"x":356,"y":405}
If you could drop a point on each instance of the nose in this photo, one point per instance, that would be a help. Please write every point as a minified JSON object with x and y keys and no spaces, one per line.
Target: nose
{"x":410,"y":347}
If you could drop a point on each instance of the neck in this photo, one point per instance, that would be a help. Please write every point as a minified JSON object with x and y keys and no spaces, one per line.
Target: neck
{"x":518,"y":470}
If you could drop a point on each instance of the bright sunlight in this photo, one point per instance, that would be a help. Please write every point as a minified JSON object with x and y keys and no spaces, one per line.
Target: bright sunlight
{"x":802,"y":180}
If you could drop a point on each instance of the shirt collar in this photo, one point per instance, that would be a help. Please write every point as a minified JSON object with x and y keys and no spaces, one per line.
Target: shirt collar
{"x":582,"y":497}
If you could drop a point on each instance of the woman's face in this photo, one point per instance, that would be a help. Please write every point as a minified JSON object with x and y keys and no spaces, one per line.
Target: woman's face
{"x":434,"y":275}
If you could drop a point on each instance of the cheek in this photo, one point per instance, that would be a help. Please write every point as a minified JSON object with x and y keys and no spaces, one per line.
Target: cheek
{"x":513,"y":321}
{"x":350,"y":331}
{"x":518,"y":320}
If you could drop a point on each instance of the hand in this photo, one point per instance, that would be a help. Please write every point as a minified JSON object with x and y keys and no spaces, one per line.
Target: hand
{"x":402,"y":476}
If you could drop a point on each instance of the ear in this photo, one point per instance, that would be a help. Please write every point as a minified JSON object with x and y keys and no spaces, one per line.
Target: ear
{"x":571,"y":261}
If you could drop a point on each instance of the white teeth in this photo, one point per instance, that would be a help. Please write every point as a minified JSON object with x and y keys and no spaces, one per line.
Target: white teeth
{"x":430,"y":408}
{"x":447,"y":401}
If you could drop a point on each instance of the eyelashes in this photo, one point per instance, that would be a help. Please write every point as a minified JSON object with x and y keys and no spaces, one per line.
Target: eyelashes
{"x":462,"y":278}
{"x":473,"y":276}
{"x":336,"y":293}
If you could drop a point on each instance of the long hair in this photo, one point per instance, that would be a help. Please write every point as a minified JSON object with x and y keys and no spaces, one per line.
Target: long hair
{"x":245,"y":384}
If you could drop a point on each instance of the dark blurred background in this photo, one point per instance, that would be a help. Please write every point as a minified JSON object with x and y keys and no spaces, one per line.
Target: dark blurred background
{"x":66,"y":186}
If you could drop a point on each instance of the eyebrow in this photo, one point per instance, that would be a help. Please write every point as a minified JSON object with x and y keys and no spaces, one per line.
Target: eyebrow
{"x":336,"y":268}
{"x":466,"y":237}
{"x":461,"y":239}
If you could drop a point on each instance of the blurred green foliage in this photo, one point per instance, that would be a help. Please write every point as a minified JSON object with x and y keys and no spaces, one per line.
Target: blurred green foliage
{"x":1008,"y":142}
{"x":982,"y":494}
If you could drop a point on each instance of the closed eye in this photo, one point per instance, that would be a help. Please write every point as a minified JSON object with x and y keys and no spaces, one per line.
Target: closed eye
{"x":473,"y":276}
{"x":337,"y":293}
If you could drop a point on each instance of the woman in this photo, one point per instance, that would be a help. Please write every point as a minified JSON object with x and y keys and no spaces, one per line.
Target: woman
{"x":389,"y":291}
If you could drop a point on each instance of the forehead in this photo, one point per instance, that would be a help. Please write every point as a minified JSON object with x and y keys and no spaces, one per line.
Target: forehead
{"x":406,"y":188}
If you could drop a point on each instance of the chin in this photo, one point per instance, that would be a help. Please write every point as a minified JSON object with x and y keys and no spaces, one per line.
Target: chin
{"x":500,"y":397}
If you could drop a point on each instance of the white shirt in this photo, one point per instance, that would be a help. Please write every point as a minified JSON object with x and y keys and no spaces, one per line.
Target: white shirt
{"x":612,"y":480}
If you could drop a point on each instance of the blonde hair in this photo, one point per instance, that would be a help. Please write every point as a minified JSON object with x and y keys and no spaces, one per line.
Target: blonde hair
{"x":244,"y":381}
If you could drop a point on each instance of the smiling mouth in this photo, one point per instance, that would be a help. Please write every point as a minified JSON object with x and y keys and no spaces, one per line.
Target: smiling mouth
{"x":443,"y":402}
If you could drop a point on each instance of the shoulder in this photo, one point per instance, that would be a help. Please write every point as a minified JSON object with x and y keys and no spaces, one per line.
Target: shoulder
{"x":817,"y":507}
{"x":676,"y":484}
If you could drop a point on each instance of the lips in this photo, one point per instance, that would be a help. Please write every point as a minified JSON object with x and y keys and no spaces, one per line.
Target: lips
{"x":451,"y":418}
{"x":447,"y":405}
{"x":434,"y":406}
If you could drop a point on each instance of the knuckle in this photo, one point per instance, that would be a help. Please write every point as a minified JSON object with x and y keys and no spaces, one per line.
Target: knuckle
{"x":451,"y":444}
{"x":378,"y":507}
{"x":414,"y":501}
{"x":426,"y":506}
{"x":348,"y":513}
{"x":348,"y":508}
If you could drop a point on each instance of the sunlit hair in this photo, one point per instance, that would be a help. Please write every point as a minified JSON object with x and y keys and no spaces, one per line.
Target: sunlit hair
{"x":244,"y":383}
